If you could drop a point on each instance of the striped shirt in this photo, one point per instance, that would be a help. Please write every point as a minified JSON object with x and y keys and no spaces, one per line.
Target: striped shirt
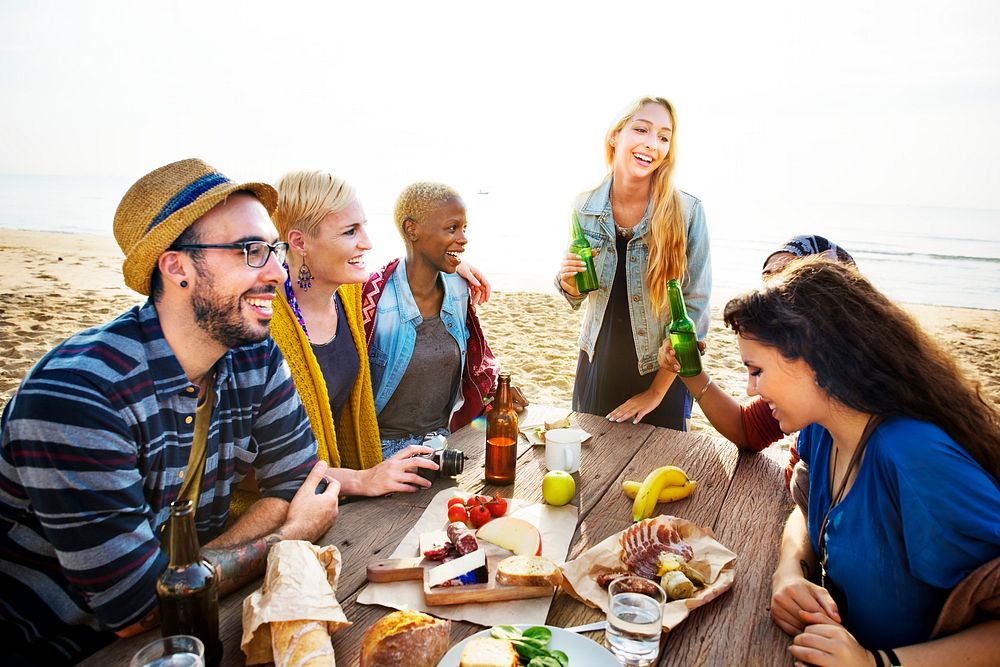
{"x":94,"y":448}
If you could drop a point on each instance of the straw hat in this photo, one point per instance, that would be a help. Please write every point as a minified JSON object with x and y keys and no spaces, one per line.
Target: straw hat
{"x":162,"y":204}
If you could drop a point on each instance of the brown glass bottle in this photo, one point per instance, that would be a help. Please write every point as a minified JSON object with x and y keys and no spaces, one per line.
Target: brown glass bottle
{"x":501,"y":436}
{"x":188,"y":589}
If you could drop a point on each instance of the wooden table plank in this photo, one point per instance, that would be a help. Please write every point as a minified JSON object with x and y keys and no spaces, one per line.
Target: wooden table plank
{"x":737,"y":627}
{"x":740,"y":496}
{"x":705,"y":459}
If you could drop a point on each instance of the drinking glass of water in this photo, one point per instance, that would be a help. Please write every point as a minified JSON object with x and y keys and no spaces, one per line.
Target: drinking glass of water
{"x":171,"y":651}
{"x":635,"y":615}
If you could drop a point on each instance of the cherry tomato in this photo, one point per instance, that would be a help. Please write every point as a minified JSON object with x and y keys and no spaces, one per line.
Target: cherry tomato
{"x":477,"y":500}
{"x":497,"y":506}
{"x":458,"y":513}
{"x":479,"y":515}
{"x":457,"y":500}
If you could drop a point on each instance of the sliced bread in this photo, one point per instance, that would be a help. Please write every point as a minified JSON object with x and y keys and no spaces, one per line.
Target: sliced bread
{"x":528,"y":571}
{"x":488,"y":652}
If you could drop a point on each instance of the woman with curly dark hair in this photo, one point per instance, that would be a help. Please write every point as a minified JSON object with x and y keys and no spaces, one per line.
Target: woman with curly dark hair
{"x":904,"y":461}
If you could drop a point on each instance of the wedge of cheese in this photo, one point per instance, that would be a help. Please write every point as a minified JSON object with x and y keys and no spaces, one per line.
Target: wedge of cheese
{"x":454,"y":569}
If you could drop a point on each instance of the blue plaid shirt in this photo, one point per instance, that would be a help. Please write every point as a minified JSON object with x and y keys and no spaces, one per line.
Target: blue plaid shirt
{"x":95,"y":446}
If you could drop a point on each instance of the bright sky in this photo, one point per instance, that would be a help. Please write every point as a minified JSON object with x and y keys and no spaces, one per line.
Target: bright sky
{"x":892,"y":102}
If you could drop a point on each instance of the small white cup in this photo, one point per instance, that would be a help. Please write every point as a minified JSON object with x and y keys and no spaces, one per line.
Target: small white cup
{"x":562,"y":449}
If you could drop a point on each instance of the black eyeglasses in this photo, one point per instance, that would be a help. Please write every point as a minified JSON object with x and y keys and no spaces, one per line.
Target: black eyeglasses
{"x":256,"y":252}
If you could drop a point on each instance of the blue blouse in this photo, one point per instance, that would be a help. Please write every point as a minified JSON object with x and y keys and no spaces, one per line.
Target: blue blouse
{"x":920,"y":516}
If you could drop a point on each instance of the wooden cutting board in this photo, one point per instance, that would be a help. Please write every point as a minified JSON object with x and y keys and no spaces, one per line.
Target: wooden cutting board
{"x":405,"y":569}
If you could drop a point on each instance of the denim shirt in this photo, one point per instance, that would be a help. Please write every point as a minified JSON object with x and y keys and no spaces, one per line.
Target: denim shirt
{"x":648,"y":330}
{"x":395,"y":333}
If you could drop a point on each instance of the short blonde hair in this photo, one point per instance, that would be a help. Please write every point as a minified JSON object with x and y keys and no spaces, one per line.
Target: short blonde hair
{"x":417,"y":199}
{"x":306,"y":197}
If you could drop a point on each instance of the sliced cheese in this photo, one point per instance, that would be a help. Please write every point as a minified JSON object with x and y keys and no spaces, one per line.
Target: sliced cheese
{"x":432,"y":540}
{"x":456,"y":568}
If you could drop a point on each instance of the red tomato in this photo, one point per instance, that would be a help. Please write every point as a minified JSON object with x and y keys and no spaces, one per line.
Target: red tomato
{"x":457,"y":500}
{"x":477,"y":500}
{"x":458,"y":513}
{"x":497,"y":506}
{"x":479,"y":515}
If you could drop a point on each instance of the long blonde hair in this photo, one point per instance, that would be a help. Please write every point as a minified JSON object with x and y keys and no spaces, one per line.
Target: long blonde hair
{"x":667,"y":236}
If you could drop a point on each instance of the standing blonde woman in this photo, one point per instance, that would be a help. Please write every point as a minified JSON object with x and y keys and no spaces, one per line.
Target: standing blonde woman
{"x":644,"y":232}
{"x":318,"y":326}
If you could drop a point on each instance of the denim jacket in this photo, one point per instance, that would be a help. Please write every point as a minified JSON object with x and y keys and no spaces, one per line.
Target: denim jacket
{"x":648,"y":330}
{"x":395,"y":332}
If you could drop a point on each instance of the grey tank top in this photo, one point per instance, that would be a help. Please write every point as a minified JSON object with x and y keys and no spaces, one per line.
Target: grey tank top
{"x":423,"y":400}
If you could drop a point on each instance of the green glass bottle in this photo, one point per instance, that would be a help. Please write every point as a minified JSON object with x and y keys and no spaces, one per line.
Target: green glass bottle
{"x":586,"y":280}
{"x":683,"y":337}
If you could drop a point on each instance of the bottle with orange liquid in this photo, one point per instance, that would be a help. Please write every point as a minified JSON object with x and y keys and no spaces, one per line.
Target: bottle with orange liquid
{"x":501,"y":436}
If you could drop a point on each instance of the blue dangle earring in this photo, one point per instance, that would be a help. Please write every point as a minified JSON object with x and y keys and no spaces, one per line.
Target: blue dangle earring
{"x":305,"y":275}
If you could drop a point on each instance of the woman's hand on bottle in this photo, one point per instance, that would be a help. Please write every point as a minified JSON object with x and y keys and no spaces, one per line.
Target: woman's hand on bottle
{"x":570,"y":266}
{"x":825,"y":642}
{"x":398,"y":472}
{"x":667,"y":358}
{"x":311,"y":513}
{"x":479,"y":287}
{"x":792,"y":595}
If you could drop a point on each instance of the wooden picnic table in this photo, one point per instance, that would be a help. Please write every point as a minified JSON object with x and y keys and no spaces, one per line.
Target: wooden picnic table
{"x":741,"y":497}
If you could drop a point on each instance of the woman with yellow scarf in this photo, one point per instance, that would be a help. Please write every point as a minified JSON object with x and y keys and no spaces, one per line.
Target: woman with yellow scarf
{"x":317,"y":324}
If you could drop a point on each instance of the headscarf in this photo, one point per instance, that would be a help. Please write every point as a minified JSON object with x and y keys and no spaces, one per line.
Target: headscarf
{"x":805,"y":245}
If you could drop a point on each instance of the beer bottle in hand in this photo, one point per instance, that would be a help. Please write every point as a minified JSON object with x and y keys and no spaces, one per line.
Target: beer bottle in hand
{"x":501,"y":436}
{"x":586,"y":280}
{"x":683,"y":337}
{"x":188,"y":590}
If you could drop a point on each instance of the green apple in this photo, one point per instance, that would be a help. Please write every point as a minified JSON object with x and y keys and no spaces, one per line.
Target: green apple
{"x":558,"y":487}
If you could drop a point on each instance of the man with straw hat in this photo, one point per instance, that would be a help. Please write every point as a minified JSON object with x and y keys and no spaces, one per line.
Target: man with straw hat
{"x":180,"y":397}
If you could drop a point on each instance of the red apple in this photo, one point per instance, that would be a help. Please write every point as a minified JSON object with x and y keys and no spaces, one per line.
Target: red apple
{"x":513,"y":534}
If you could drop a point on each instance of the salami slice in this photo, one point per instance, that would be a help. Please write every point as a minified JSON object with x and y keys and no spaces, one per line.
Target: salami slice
{"x":463,"y":538}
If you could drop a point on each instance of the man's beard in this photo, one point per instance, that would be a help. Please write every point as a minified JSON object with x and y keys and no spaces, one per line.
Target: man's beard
{"x":221,"y":317}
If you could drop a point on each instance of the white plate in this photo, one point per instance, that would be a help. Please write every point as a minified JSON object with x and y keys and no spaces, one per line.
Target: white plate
{"x":582,"y":652}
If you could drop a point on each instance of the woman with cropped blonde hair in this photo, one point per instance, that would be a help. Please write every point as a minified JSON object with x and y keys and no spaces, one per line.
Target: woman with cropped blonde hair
{"x":318,"y":325}
{"x":644,"y":231}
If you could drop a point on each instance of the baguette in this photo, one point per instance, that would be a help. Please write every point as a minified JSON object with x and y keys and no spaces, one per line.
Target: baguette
{"x":488,"y":652}
{"x":528,"y":571}
{"x":405,"y":638}
{"x":301,"y":643}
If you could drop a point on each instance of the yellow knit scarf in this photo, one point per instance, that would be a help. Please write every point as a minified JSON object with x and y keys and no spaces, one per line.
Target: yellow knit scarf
{"x":356,"y":443}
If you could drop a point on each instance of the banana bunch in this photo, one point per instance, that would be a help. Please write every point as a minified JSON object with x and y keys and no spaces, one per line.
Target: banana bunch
{"x":663,"y":485}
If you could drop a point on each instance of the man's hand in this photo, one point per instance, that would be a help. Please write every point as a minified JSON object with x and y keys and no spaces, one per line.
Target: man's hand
{"x":311,"y":514}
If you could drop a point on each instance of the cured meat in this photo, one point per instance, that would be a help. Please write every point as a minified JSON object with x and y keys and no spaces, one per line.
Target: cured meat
{"x":643,"y":542}
{"x":440,"y":552}
{"x":604,"y":579}
{"x":463,"y":539}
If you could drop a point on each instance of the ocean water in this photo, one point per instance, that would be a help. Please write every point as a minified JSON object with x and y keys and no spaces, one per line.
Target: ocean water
{"x":938,"y":256}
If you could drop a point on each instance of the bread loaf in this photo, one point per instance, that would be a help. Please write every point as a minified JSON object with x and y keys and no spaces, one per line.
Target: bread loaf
{"x":301,"y":644}
{"x":528,"y":571}
{"x":405,"y":638}
{"x":488,"y":652}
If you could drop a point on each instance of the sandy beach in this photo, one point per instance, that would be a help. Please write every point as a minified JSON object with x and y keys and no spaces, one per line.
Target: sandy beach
{"x":53,"y":285}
